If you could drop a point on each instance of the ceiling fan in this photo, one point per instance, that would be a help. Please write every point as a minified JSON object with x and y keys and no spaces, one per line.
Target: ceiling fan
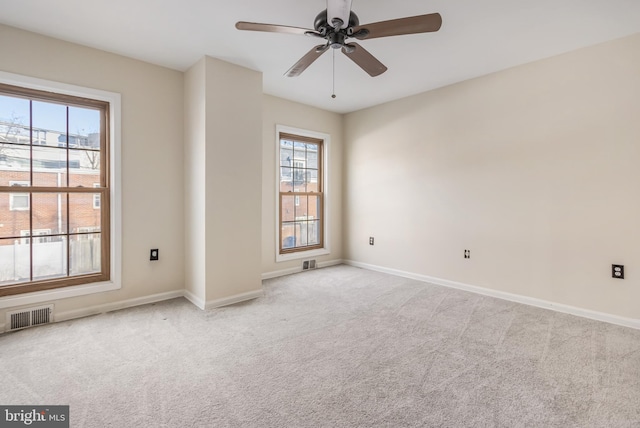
{"x":337,"y":24}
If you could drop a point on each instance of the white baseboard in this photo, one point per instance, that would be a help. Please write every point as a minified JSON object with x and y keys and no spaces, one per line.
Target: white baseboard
{"x":197,"y":301}
{"x":279,"y":273}
{"x":108,"y":307}
{"x":531,"y":301}
{"x":217,"y":303}
{"x":297,"y":269}
{"x":123,"y":304}
{"x":211,"y":304}
{"x":330,"y":263}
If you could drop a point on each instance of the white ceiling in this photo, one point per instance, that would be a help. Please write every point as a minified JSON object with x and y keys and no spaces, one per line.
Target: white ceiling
{"x":477,"y":37}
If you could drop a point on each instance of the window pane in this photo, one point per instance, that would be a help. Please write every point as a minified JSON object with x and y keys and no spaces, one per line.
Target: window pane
{"x":301,"y":233}
{"x":14,"y":120}
{"x":299,"y":173}
{"x":15,"y":261}
{"x":299,"y":185}
{"x":50,"y":212}
{"x":13,"y":178}
{"x":288,"y":207}
{"x":286,"y":155}
{"x":301,"y":208}
{"x":15,"y":157}
{"x":299,"y":152}
{"x":312,"y":156}
{"x":286,"y":175}
{"x":52,"y":119}
{"x":84,"y":168}
{"x":49,"y":257}
{"x":313,"y":232}
{"x":49,"y":167}
{"x":288,"y":236}
{"x":84,"y":128}
{"x":313,"y":208}
{"x":85,"y":254}
{"x":13,"y":221}
{"x":82,"y":216}
{"x":312,"y":181}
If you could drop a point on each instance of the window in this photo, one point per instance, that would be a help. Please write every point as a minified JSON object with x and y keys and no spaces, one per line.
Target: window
{"x":18,"y":201}
{"x":301,"y":193}
{"x":57,"y":222}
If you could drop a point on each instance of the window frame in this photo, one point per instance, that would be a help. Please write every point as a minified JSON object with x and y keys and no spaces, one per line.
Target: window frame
{"x":323,"y":181}
{"x":35,"y":284}
{"x":79,"y":285}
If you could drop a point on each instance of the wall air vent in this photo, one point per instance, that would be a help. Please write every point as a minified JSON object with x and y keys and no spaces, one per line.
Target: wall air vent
{"x":29,"y":317}
{"x":308,"y":264}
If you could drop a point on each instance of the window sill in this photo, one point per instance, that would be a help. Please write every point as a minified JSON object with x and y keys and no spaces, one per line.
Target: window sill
{"x":57,"y":294}
{"x":302,"y":255}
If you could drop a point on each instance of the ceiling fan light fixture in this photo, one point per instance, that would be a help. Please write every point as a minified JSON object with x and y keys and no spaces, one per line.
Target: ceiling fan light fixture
{"x":336,"y":40}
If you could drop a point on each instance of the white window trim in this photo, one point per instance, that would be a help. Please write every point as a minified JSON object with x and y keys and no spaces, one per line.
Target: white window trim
{"x":114,"y":100}
{"x":326,"y":206}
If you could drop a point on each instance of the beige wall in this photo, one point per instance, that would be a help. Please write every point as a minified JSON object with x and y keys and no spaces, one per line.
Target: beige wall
{"x":278,"y":111}
{"x":223,"y":163}
{"x":195,"y":103}
{"x":534,"y":169}
{"x":233,"y":179}
{"x":152,"y":165}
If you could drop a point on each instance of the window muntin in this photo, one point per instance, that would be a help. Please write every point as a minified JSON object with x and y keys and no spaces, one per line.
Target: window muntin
{"x":301,"y":195}
{"x":56,"y":147}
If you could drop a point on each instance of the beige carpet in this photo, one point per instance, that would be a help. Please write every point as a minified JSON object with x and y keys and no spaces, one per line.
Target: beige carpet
{"x":336,"y":347}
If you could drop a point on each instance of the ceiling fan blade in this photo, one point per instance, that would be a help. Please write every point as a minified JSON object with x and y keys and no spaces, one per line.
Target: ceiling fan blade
{"x":340,"y":9}
{"x":306,"y":60}
{"x":396,"y":27}
{"x":364,"y":59}
{"x":270,"y":28}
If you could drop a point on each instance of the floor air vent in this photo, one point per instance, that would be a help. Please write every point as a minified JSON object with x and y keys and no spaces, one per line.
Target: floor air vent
{"x":308,"y":264}
{"x":29,"y":317}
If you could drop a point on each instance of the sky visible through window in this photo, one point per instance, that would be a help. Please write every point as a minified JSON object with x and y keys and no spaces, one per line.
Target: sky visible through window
{"x":49,"y":116}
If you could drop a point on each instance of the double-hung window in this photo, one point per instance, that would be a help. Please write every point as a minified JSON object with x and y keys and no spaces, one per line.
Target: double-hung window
{"x":301,"y":195}
{"x":54,"y":184}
